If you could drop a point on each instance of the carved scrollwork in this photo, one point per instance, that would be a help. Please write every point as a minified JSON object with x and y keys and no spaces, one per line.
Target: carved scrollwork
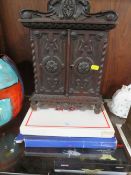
{"x":85,"y":46}
{"x":69,"y":9}
{"x":83,"y":84}
{"x":51,"y":45}
{"x":108,"y":15}
{"x":52,"y":62}
{"x":60,"y":9}
{"x":53,"y":82}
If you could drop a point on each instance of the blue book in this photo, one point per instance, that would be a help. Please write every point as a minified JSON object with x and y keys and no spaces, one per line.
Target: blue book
{"x":67,"y":142}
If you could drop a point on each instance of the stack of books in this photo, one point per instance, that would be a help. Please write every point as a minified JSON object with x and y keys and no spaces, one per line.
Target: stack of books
{"x":51,"y":128}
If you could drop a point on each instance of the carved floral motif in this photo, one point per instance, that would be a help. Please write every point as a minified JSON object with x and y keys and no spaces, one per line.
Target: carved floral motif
{"x":83,"y":67}
{"x":51,"y":66}
{"x":68,"y":8}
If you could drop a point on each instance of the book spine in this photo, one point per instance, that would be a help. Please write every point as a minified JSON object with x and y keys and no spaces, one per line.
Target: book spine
{"x":65,"y":144}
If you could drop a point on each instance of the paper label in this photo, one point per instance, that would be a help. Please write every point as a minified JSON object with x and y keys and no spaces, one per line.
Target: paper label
{"x":95,"y":67}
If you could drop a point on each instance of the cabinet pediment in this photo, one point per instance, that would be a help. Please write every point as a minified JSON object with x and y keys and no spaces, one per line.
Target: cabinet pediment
{"x":66,"y":14}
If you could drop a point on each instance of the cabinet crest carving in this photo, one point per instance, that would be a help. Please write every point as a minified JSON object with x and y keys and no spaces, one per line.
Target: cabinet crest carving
{"x":60,"y":9}
{"x":69,"y":8}
{"x":70,"y":11}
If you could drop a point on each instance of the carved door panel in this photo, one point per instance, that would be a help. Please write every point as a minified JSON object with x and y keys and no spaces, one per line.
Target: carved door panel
{"x":88,"y":53}
{"x":50,"y":50}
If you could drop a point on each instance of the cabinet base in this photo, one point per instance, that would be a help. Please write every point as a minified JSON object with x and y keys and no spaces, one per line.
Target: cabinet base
{"x":66,"y":103}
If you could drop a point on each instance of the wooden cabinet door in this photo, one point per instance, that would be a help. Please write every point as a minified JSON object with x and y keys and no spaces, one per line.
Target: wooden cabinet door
{"x":87,"y":54}
{"x":50,"y":55}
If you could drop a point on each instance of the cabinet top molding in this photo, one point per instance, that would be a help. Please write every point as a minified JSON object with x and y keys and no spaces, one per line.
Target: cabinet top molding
{"x":66,"y":14}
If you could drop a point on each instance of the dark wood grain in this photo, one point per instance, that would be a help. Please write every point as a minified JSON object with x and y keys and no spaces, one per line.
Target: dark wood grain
{"x":2,"y":44}
{"x":117,"y":70}
{"x":16,"y":36}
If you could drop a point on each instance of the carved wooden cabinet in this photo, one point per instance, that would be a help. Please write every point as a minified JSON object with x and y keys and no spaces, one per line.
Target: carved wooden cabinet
{"x":68,"y":47}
